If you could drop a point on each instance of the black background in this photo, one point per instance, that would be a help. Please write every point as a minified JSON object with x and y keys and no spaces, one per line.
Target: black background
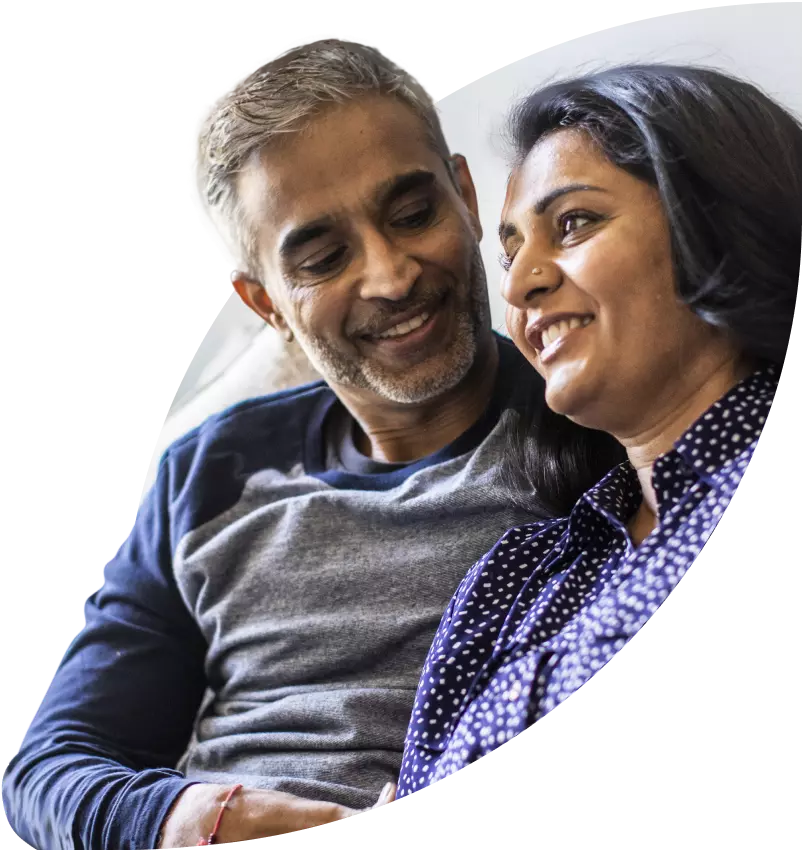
{"x":705,"y":701}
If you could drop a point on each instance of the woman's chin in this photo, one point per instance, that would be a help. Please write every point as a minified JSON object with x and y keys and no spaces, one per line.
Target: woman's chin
{"x":567,"y":393}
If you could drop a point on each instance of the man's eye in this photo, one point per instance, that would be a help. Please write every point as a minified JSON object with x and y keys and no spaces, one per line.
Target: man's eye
{"x":414,"y":215}
{"x":324,"y":261}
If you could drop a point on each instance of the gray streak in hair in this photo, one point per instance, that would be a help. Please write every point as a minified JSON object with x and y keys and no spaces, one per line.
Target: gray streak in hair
{"x":279,"y":99}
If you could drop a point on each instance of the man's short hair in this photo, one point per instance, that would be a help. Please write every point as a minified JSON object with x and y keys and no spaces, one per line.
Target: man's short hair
{"x":279,"y":99}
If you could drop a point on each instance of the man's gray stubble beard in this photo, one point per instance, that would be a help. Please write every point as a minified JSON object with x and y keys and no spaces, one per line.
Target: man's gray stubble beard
{"x":459,"y":356}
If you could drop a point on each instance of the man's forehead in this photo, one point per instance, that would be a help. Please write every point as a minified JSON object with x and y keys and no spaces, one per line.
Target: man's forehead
{"x":342,"y":160}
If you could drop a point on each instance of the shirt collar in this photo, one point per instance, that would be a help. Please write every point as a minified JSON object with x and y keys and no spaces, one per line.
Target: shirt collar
{"x":716,"y":449}
{"x":723,"y":437}
{"x":614,"y":499}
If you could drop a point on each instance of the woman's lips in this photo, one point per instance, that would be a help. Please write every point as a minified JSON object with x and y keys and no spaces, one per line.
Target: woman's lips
{"x":536,"y":333}
{"x":549,"y":352}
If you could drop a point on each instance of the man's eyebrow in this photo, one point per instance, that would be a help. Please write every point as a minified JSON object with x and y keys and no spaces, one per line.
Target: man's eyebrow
{"x":385,"y":193}
{"x":395,"y":187}
{"x":297,"y":237}
{"x":506,"y":229}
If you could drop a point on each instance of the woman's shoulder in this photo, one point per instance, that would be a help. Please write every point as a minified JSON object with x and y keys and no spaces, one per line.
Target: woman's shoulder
{"x":488,"y":590}
{"x":520,"y":550}
{"x":533,"y":532}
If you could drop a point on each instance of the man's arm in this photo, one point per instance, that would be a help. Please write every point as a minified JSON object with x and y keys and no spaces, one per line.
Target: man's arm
{"x":95,"y":768}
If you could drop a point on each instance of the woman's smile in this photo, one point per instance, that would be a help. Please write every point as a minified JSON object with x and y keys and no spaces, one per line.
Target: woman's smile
{"x":550,"y":334}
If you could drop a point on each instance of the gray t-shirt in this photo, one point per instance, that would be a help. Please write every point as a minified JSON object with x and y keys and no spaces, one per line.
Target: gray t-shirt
{"x":320,"y":602}
{"x":274,"y":603}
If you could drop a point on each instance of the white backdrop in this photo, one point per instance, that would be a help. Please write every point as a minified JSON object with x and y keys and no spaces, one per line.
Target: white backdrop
{"x":760,"y":41}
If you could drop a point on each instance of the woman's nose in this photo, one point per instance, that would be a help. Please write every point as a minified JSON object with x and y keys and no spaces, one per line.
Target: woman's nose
{"x":526,"y":280}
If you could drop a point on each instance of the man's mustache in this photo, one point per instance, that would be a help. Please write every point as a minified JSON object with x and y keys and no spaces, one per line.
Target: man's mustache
{"x":413,"y":305}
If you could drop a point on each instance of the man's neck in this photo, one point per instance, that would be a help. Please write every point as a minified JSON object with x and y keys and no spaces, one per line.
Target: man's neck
{"x":402,"y":433}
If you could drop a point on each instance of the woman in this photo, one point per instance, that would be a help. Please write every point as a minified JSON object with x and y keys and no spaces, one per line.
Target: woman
{"x":651,"y":241}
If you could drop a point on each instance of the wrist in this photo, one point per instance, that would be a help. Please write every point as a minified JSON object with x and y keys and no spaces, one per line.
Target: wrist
{"x":192,"y":815}
{"x":211,"y":837}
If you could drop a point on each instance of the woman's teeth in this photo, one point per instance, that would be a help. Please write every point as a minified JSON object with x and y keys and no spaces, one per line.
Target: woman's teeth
{"x":405,"y":327}
{"x":558,"y":329}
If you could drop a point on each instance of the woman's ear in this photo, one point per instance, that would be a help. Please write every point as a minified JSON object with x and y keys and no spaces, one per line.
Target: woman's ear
{"x":255,"y":296}
{"x":465,"y":185}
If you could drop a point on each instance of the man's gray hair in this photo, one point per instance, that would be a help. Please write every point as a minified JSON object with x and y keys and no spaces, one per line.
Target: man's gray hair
{"x":280,"y":98}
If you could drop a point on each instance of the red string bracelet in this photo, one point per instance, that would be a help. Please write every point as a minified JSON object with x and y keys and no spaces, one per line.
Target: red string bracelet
{"x":211,"y":839}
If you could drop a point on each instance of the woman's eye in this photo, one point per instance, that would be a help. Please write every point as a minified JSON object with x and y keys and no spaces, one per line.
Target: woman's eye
{"x":414,"y":215}
{"x":505,"y":261}
{"x":324,"y":261}
{"x":571,"y":222}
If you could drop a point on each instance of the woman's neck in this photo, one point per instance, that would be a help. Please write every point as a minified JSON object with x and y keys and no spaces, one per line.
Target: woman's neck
{"x":661,"y":429}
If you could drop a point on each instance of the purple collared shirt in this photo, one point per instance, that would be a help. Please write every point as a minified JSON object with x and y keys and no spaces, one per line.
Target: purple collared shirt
{"x":553,"y":602}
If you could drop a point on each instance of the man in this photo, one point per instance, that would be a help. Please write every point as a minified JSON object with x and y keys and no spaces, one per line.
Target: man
{"x":267,"y":619}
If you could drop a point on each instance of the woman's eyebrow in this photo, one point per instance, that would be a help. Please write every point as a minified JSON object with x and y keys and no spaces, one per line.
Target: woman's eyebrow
{"x":506,"y":229}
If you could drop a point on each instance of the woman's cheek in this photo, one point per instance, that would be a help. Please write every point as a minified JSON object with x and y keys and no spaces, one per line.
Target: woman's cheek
{"x":515,"y":322}
{"x":511,"y":321}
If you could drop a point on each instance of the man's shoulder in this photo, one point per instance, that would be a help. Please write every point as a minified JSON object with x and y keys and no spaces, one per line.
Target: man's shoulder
{"x":510,"y":354}
{"x":515,"y":374}
{"x":268,"y":431}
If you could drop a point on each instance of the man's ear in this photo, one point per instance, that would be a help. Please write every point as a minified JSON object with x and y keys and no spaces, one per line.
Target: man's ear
{"x":255,"y":296}
{"x":465,"y":185}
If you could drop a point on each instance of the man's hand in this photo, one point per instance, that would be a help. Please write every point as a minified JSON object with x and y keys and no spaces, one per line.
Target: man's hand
{"x":251,"y":813}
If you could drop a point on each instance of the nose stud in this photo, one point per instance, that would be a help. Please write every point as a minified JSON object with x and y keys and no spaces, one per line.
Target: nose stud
{"x":535,"y":271}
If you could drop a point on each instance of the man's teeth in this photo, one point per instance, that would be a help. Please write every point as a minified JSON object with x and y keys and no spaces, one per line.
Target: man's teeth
{"x":405,"y":327}
{"x":551,"y":334}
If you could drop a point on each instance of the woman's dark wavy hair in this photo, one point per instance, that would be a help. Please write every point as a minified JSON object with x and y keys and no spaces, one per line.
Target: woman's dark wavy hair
{"x":726,"y":161}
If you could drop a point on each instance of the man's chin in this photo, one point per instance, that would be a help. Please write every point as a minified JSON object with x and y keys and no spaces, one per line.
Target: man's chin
{"x":425,"y":381}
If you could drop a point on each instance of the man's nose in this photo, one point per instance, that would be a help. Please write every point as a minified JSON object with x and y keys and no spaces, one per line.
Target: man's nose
{"x":389,"y":271}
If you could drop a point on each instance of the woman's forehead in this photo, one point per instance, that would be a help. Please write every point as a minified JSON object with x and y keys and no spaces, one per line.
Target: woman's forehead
{"x":563,"y":157}
{"x":560,"y":155}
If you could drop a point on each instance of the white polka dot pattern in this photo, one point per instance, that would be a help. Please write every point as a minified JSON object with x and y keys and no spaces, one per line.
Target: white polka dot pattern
{"x":553,"y":602}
